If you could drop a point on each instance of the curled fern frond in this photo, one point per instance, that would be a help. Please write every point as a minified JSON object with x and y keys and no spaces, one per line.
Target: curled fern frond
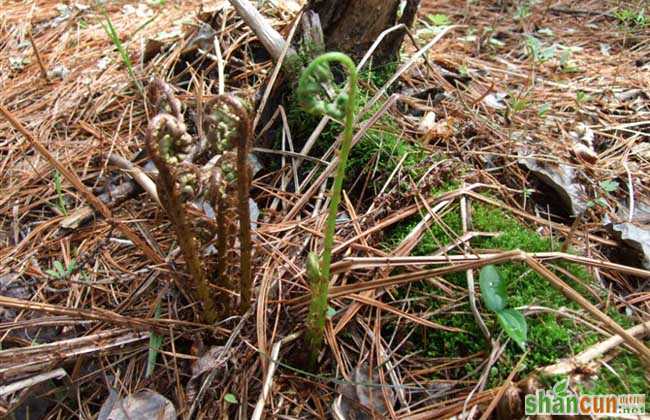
{"x":228,"y":126}
{"x":167,"y":142}
{"x":317,"y":92}
{"x":170,"y":147}
{"x":318,"y":95}
{"x":310,"y":93}
{"x":225,"y":123}
{"x":163,"y":99}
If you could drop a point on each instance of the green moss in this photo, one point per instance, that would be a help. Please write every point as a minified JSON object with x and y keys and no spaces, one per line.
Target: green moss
{"x":436,"y":235}
{"x":380,"y":149}
{"x":550,"y":337}
{"x":631,"y":378}
{"x":378,"y":76}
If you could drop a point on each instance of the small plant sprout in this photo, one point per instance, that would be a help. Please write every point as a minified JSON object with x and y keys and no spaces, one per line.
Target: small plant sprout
{"x":494,"y":294}
{"x":59,"y":272}
{"x":439,"y":19}
{"x":523,"y":11}
{"x":632,"y":18}
{"x":543,"y":110}
{"x":230,"y":398}
{"x":537,"y":52}
{"x":518,"y":105}
{"x":582,"y":97}
{"x":313,"y":99}
{"x":609,"y":185}
{"x":115,"y":39}
{"x":59,"y":193}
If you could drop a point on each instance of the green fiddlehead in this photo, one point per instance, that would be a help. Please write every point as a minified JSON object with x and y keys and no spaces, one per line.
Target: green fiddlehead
{"x":318,"y":95}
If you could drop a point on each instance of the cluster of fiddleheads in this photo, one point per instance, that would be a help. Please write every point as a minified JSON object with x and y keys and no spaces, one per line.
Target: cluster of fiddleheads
{"x":228,"y":130}
{"x":319,"y":95}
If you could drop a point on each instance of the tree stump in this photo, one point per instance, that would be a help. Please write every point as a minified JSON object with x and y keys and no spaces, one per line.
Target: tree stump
{"x":352,"y":26}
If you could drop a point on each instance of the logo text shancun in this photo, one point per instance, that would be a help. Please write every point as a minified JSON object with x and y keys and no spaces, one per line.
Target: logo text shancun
{"x":562,"y":401}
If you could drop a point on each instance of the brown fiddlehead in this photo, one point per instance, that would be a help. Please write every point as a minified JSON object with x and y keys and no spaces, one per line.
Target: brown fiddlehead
{"x":228,"y":127}
{"x":168,"y":144}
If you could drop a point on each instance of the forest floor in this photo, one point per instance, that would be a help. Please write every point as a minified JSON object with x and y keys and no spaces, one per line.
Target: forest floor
{"x":513,"y":134}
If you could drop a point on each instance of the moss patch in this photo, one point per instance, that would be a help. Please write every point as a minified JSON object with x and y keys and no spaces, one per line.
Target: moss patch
{"x":550,"y":337}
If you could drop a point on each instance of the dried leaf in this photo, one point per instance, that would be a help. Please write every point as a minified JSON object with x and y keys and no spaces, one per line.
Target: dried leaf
{"x":144,"y":404}
{"x":211,"y":359}
{"x":511,"y":405}
{"x":427,"y":122}
{"x":634,"y":233}
{"x":496,"y":100}
{"x":563,"y":179}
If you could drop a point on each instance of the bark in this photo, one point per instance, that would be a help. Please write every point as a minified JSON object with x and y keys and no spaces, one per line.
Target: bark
{"x":351,"y":26}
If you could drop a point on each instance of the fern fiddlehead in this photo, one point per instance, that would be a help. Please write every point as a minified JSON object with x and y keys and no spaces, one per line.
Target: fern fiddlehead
{"x":228,"y":126}
{"x":168,"y":143}
{"x":314,"y":87}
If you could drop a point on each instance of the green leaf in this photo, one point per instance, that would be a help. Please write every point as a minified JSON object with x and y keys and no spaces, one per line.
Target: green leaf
{"x":71,"y":267}
{"x":565,"y":57}
{"x":493,"y":289}
{"x":231,"y":399}
{"x":59,"y":268}
{"x":514,"y":324}
{"x":546,"y":32}
{"x":155,"y":341}
{"x":330,"y":312}
{"x":534,"y":47}
{"x":601,"y":202}
{"x":52,"y":273}
{"x":518,"y":105}
{"x":561,"y":388}
{"x":543,"y":110}
{"x":609,"y":186}
{"x":439,"y":20}
{"x":582,"y":97}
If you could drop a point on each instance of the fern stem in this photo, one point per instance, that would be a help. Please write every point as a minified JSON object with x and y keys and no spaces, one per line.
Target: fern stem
{"x":310,"y":82}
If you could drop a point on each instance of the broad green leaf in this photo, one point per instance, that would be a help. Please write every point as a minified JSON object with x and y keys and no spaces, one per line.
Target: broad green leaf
{"x":231,"y":399}
{"x":493,"y":289}
{"x":514,"y":324}
{"x":53,"y":273}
